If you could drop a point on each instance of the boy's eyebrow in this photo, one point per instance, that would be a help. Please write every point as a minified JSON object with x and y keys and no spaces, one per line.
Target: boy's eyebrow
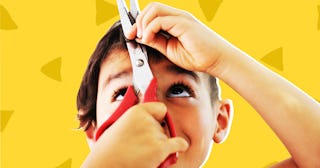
{"x":120,"y":74}
{"x":178,"y":70}
{"x":171,"y":68}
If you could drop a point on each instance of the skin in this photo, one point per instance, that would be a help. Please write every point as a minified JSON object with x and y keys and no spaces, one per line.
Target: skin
{"x":295,"y":115}
{"x":197,"y":120}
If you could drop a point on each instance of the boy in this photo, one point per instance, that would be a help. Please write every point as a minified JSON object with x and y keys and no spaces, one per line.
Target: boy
{"x":189,"y":93}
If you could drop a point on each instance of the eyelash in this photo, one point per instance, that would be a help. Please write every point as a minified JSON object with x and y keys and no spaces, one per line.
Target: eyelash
{"x":117,"y":92}
{"x":184,"y":86}
{"x":122,"y":90}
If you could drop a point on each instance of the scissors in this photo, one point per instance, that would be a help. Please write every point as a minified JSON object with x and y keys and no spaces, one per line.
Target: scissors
{"x":143,"y":80}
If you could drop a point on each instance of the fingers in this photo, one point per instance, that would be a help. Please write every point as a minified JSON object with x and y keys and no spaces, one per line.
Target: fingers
{"x":165,"y":144}
{"x":152,"y":11}
{"x":157,"y":110}
{"x":176,"y":144}
{"x":132,"y":33}
{"x":167,"y":23}
{"x":155,"y":18}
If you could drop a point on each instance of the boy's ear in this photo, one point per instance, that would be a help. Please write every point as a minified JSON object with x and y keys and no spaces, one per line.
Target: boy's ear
{"x":224,"y":116}
{"x":90,"y":132}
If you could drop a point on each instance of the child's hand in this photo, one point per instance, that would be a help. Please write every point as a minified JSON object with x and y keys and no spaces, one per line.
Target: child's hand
{"x":136,"y":139}
{"x":192,"y":46}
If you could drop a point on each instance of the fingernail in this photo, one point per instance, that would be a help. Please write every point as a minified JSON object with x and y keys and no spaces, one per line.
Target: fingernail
{"x":139,"y":34}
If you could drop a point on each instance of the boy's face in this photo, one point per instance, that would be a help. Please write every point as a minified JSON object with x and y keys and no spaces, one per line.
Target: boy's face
{"x":186,"y":95}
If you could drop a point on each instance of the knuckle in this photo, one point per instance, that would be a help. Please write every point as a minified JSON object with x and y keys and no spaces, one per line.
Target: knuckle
{"x":158,"y":19}
{"x":187,"y":14}
{"x":154,"y":4}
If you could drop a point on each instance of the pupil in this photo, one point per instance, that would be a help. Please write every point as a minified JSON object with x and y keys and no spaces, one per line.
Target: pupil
{"x":123,"y":92}
{"x":177,"y":90}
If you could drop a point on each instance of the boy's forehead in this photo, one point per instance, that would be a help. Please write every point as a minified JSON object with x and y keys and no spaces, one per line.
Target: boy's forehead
{"x":118,"y":53}
{"x":118,"y":60}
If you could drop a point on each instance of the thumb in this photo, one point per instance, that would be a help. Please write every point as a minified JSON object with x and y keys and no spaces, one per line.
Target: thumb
{"x":177,"y":144}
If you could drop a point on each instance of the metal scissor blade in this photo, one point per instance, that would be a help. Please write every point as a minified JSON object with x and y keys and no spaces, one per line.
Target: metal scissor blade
{"x":142,"y":74}
{"x":124,"y":16}
{"x":134,"y":8}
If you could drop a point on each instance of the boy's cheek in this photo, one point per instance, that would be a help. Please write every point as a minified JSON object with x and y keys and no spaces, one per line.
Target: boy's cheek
{"x":104,"y":111}
{"x":196,"y":124}
{"x":186,"y":121}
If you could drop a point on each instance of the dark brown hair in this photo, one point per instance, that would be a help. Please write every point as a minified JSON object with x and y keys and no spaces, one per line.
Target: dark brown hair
{"x":87,"y":94}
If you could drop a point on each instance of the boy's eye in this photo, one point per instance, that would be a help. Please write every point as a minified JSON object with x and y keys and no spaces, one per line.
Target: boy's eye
{"x":118,"y":95}
{"x":179,"y":90}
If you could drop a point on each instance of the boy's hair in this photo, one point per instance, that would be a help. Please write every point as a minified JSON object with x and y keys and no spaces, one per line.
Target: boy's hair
{"x":87,"y":95}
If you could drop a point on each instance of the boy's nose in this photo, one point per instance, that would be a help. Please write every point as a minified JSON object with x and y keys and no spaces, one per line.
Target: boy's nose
{"x":150,"y":94}
{"x":159,"y":97}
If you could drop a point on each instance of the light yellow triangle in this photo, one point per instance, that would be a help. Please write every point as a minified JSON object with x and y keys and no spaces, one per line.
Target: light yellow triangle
{"x":65,"y":164}
{"x":6,"y":22}
{"x":274,"y":58}
{"x":209,"y":8}
{"x":105,"y":11}
{"x":5,"y":116}
{"x":52,"y":69}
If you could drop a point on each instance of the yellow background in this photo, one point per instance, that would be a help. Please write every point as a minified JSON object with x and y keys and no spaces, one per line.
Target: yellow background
{"x":40,"y":132}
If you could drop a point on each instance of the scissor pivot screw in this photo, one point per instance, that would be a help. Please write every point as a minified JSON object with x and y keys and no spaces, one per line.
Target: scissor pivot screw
{"x":139,"y":63}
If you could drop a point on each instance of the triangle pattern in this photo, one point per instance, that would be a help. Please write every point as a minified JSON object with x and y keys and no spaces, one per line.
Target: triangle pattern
{"x":6,"y":22}
{"x":65,"y":164}
{"x":274,"y":59}
{"x":105,"y":11}
{"x":209,"y":8}
{"x":5,"y":116}
{"x":52,"y":69}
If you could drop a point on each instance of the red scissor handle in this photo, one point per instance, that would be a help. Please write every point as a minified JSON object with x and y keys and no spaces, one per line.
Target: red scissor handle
{"x":129,"y":100}
{"x":151,"y":96}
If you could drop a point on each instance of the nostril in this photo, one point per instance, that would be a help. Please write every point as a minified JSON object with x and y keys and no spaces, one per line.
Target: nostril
{"x":163,"y":124}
